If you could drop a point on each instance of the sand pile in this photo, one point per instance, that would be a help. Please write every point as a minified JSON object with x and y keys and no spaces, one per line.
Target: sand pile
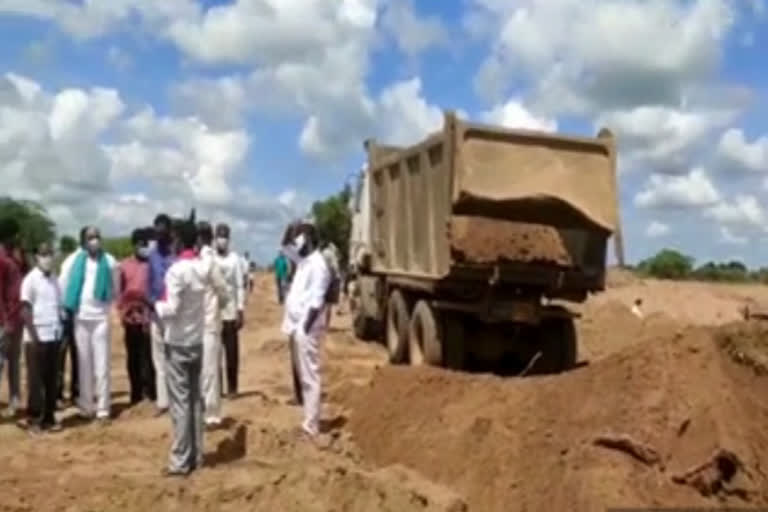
{"x":672,"y":422}
{"x":482,"y":240}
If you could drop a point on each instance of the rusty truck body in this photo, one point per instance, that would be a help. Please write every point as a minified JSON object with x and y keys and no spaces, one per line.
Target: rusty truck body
{"x":465,"y":244}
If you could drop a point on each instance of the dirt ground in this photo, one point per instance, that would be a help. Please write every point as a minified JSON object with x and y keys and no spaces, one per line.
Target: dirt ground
{"x":666,"y":411}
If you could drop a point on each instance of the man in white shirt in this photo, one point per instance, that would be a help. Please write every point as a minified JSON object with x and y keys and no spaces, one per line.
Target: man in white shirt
{"x":182,"y":311}
{"x":41,"y":303}
{"x":216,"y":296}
{"x":232,"y":314}
{"x":304,"y":319}
{"x":91,"y":284}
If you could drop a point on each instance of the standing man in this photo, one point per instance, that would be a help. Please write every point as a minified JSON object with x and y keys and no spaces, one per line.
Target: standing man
{"x":304,"y":319}
{"x":10,"y":310}
{"x":281,"y":276}
{"x":68,"y":339}
{"x":160,"y":260}
{"x":216,"y":296}
{"x":232,"y":314}
{"x":41,"y":299}
{"x":92,"y":284}
{"x":182,"y":310}
{"x":135,"y":313}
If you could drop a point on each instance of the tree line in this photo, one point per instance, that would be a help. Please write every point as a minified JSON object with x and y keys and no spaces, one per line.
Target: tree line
{"x":672,"y":264}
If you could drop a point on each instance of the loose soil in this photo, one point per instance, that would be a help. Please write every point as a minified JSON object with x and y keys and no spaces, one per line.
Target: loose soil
{"x":668,"y":410}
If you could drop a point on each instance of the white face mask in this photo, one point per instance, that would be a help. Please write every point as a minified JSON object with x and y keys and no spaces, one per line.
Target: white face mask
{"x":94,"y":244}
{"x":152,"y":246}
{"x":143,"y":252}
{"x":45,"y":263}
{"x":222,"y":243}
{"x":299,"y":242}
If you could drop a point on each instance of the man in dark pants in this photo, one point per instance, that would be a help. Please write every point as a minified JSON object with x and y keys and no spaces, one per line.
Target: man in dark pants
{"x":232,"y":317}
{"x":41,"y":301}
{"x":135,"y":312}
{"x":67,"y":343}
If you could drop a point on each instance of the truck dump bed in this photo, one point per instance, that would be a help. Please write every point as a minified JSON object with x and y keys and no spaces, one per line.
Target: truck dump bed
{"x":474,"y":197}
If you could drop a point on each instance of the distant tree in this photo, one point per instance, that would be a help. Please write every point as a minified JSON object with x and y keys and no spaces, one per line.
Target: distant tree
{"x":667,"y":264}
{"x":334,"y":221}
{"x":119,"y":247}
{"x":36,"y":225}
{"x":67,"y":244}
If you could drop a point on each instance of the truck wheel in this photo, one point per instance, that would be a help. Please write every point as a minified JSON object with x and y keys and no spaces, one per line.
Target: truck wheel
{"x":365,"y":327}
{"x":425,"y":336}
{"x":454,"y":352}
{"x":397,"y":328}
{"x":558,"y":346}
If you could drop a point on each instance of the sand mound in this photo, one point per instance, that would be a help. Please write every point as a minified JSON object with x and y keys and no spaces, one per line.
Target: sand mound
{"x":671,"y":422}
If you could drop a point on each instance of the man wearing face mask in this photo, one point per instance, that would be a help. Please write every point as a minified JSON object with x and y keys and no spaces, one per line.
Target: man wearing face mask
{"x":304,"y":318}
{"x":42,"y":306}
{"x":135,"y":312}
{"x":160,"y":260}
{"x":216,"y":296}
{"x":10,"y":310}
{"x":232,"y":314}
{"x":92,"y":284}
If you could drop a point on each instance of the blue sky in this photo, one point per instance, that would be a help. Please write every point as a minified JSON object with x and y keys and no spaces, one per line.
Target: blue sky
{"x":111,"y":111}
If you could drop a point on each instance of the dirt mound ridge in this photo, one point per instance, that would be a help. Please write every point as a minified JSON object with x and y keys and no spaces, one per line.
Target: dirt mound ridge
{"x":671,"y":422}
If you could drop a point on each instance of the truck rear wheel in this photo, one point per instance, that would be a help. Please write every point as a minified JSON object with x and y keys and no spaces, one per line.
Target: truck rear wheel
{"x":398,"y":322}
{"x":425,"y":336}
{"x":436,"y":339}
{"x":558,"y":346}
{"x":365,"y":327}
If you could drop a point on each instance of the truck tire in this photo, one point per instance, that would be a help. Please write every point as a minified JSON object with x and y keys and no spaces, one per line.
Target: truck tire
{"x":398,"y":322}
{"x":365,"y":327}
{"x":426,"y":344}
{"x":558,"y":346}
{"x":453,"y":331}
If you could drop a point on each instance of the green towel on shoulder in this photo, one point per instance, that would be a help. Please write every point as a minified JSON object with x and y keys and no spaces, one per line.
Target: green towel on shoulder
{"x":103,"y":288}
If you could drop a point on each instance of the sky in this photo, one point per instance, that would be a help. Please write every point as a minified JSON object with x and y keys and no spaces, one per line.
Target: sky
{"x":114,"y":110}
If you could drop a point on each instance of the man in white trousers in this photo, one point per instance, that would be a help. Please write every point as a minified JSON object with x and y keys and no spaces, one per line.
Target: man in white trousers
{"x":182,"y":310}
{"x":91,"y":285}
{"x":304,"y":319}
{"x":216,"y":297}
{"x":160,"y":259}
{"x":232,"y":315}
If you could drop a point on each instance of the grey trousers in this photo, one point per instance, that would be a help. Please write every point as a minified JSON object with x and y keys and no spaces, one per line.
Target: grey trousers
{"x":185,"y":404}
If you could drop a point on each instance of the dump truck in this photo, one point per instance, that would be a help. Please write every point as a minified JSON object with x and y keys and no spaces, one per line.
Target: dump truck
{"x":468,"y":247}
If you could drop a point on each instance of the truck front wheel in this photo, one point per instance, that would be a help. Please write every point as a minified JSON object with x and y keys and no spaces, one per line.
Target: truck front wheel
{"x":398,"y":321}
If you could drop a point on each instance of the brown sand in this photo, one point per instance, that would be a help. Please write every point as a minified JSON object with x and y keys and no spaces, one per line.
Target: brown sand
{"x":482,"y":240}
{"x":404,"y":439}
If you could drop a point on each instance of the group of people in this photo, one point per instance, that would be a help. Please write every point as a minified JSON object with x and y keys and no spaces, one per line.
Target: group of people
{"x":180,"y":298}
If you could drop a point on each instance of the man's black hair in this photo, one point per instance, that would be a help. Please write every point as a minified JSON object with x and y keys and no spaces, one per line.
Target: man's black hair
{"x":150,"y":232}
{"x":139,"y":236}
{"x":223,"y":227}
{"x":9,"y":228}
{"x":164,"y":220}
{"x":47,"y":245}
{"x":83,"y":231}
{"x":205,"y":231}
{"x":186,"y":233}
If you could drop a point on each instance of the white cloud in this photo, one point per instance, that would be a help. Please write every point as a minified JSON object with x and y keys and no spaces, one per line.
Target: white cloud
{"x":53,"y":149}
{"x":729,"y":238}
{"x":740,"y":155}
{"x":412,"y":33}
{"x":688,"y":191}
{"x":514,"y":114}
{"x":744,"y":211}
{"x":587,"y":56}
{"x":661,"y":136}
{"x":656,"y":229}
